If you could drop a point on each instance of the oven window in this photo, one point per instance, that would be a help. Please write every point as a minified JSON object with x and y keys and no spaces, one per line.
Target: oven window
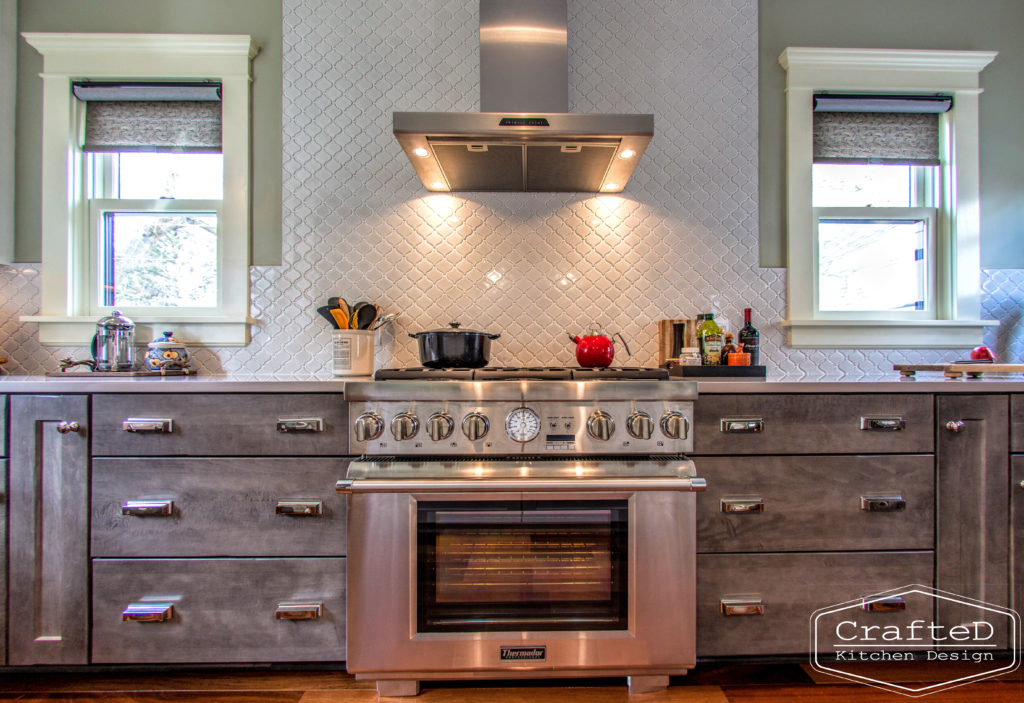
{"x":520,"y":566}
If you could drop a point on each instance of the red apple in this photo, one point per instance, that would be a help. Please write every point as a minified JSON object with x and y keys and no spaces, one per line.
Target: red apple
{"x":982,"y":354}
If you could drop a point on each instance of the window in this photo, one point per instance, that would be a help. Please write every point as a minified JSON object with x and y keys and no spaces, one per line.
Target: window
{"x":882,"y":191}
{"x":145,"y":173}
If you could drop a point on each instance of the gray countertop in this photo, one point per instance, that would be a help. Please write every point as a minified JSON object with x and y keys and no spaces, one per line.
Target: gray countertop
{"x":263,"y":383}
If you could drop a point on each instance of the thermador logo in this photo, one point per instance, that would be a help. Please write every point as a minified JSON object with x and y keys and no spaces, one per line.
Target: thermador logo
{"x":536,"y":654}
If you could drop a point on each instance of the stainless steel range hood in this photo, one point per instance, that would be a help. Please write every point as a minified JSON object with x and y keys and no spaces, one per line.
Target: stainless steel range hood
{"x":524,"y":139}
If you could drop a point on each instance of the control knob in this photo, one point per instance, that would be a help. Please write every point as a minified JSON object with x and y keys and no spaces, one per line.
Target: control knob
{"x":440,"y":426}
{"x":640,"y":425}
{"x":675,"y":425}
{"x":600,"y":425}
{"x":475,"y":426}
{"x":404,"y":426}
{"x":368,"y":426}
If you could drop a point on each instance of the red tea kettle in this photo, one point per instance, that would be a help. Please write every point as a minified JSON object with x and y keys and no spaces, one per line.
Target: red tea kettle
{"x":597,"y":349}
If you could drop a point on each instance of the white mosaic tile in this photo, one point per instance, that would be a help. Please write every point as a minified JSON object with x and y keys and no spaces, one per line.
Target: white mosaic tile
{"x":681,"y":240}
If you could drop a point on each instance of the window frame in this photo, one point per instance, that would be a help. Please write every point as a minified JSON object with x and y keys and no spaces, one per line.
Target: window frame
{"x":66,"y":317}
{"x":956,"y":322}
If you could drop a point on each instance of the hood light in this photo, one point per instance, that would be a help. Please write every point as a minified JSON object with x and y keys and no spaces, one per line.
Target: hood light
{"x":624,"y":154}
{"x":610,"y":187}
{"x":421,"y":152}
{"x":438,"y":185}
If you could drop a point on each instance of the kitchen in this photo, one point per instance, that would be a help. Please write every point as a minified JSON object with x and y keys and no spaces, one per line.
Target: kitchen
{"x":682,"y":239}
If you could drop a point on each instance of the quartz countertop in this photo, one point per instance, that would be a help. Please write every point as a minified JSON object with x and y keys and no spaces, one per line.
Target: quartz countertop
{"x":270,"y":383}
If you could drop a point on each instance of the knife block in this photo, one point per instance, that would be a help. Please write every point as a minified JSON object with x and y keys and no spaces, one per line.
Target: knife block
{"x":674,"y":335}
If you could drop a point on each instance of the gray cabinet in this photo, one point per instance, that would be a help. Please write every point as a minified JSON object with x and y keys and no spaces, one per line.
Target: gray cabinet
{"x":972,"y":550}
{"x":3,"y":528}
{"x":1017,"y":502}
{"x":48,"y":603}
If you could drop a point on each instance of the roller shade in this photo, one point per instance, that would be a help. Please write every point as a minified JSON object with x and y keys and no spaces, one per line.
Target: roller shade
{"x":154,"y":117}
{"x":872,"y":129}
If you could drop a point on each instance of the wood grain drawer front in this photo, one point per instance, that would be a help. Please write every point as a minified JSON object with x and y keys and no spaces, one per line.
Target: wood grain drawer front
{"x":816,"y":503}
{"x":789,"y":588}
{"x":879,"y":423}
{"x":219,"y":424}
{"x":3,"y":425}
{"x":1017,"y":422}
{"x":218,"y":610}
{"x":217,"y":507}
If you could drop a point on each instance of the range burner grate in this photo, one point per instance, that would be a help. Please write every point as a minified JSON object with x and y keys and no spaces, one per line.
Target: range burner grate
{"x":513,"y":373}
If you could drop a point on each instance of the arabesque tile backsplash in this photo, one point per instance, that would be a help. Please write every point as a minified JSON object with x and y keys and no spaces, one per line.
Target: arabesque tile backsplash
{"x":682,"y":239}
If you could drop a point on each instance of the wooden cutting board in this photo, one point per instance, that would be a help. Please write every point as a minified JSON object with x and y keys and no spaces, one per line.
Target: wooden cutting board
{"x":957,"y":370}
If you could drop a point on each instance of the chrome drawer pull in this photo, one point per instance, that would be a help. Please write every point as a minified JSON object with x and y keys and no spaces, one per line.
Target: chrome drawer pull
{"x":148,"y":508}
{"x":147,"y":424}
{"x":299,"y":611}
{"x":148,"y":612}
{"x":300,"y":424}
{"x":893,"y":423}
{"x":883,"y":503}
{"x":742,"y":424}
{"x":884,"y":605}
{"x":64,"y":427}
{"x":741,"y":605}
{"x":299,"y":508}
{"x":742,"y":505}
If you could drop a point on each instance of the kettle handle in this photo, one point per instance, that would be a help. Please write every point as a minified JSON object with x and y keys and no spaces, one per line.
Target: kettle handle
{"x":623,"y":340}
{"x":92,"y":346}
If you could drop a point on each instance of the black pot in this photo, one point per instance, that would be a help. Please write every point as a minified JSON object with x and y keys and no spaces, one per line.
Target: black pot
{"x":454,"y":348}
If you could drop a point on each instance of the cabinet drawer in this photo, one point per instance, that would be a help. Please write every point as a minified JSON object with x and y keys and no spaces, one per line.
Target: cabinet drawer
{"x":814,"y":424}
{"x":1017,"y":423}
{"x":3,"y":425}
{"x":791,"y":587}
{"x":218,"y":424}
{"x":816,"y":503}
{"x":218,"y":610}
{"x":205,"y":507}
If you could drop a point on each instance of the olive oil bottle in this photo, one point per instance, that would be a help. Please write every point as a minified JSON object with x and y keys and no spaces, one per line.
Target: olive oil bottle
{"x":709,"y":337}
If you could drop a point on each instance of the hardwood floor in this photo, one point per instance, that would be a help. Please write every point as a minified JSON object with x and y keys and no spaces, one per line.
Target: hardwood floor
{"x":708,"y":683}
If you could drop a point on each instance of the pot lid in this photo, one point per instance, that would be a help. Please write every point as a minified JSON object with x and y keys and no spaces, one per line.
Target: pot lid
{"x":453,"y":328}
{"x":115,"y":321}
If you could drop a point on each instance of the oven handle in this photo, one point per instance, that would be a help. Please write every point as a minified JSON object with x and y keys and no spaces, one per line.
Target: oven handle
{"x":365,"y":485}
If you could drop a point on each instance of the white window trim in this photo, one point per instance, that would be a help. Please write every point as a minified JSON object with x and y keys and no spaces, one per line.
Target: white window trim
{"x":957,"y":320}
{"x":63,"y":318}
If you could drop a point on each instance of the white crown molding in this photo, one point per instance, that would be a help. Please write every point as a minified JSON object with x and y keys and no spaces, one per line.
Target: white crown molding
{"x":902,"y":59}
{"x":214,"y":44}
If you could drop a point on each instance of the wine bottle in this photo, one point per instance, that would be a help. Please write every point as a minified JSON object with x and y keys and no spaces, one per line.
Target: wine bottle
{"x":750,"y":339}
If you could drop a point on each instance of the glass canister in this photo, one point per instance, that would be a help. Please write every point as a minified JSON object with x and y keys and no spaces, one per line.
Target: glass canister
{"x":113,"y":345}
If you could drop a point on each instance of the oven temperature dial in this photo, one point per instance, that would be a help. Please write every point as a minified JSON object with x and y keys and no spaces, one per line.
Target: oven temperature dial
{"x":475,"y":426}
{"x":404,"y":426}
{"x":522,"y":425}
{"x":440,"y":426}
{"x":368,"y":426}
{"x":675,"y":425}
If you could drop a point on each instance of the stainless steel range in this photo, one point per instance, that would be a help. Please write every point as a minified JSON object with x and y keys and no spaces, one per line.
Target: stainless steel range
{"x":521,"y":528}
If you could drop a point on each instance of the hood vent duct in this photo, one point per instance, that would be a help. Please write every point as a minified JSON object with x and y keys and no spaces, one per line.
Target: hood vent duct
{"x":525,"y":140}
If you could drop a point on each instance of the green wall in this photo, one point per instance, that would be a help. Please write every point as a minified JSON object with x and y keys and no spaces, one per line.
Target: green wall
{"x":978,"y":25}
{"x":261,"y":19}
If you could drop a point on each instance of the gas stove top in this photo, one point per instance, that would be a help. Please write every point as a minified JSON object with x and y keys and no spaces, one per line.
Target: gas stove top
{"x":512,"y":373}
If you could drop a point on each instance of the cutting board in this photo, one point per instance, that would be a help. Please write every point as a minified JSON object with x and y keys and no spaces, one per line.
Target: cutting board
{"x":957,"y":370}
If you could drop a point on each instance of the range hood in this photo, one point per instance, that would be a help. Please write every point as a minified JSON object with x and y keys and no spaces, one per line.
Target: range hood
{"x":524,"y":139}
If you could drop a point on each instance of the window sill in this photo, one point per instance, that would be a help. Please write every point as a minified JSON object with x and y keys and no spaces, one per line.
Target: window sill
{"x":886,"y":334}
{"x":70,"y":331}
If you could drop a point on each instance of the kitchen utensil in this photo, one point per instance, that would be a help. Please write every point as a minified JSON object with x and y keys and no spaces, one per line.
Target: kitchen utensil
{"x":113,"y":345}
{"x":454,"y":348}
{"x":382,"y":321}
{"x":341,"y":318}
{"x":325,"y":312}
{"x":365,"y":316}
{"x":597,"y":349}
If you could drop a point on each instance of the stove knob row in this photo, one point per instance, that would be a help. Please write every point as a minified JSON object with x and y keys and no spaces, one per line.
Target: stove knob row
{"x":440,"y":426}
{"x":404,"y":426}
{"x":675,"y":425}
{"x":475,"y":426}
{"x":368,"y":426}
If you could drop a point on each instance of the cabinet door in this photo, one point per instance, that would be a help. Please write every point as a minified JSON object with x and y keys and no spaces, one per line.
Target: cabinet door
{"x":48,"y":579}
{"x":972,"y":546}
{"x":1017,"y":531}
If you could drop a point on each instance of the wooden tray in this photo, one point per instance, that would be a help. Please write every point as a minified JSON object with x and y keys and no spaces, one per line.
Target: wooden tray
{"x":958,"y":369}
{"x":94,"y":374}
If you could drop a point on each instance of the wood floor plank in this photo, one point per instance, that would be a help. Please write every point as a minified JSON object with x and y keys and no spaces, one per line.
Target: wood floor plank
{"x":855,"y":693}
{"x":183,"y":681}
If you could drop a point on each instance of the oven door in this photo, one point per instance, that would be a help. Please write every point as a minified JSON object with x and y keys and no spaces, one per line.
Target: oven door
{"x":509,"y":583}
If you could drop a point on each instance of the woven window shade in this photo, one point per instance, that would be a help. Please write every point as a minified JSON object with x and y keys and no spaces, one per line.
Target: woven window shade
{"x":151,"y":118}
{"x":851,"y":129}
